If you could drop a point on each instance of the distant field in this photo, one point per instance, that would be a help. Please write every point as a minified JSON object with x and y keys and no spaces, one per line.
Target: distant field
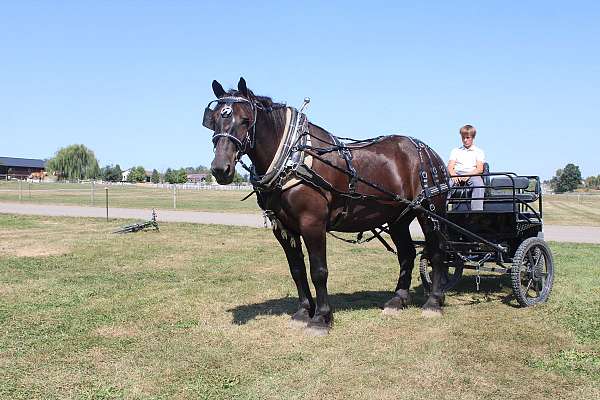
{"x":199,"y":311}
{"x":558,"y":209}
{"x":572,"y":210}
{"x":130,"y":196}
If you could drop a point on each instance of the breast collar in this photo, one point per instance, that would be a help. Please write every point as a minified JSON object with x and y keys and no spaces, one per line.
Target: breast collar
{"x":288,"y":155}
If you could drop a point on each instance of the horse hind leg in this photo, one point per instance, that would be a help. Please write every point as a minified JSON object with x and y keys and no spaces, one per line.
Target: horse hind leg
{"x":293,"y":252}
{"x":400,"y":234}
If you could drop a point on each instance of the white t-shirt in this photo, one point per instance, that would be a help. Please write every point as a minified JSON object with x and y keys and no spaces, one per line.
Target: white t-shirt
{"x":466,"y":159}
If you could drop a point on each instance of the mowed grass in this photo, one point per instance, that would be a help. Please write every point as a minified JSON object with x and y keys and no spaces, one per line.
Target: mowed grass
{"x":572,"y":210}
{"x":201,"y":311}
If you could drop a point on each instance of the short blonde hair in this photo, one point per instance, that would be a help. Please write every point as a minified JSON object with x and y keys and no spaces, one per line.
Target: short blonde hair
{"x":468,"y":130}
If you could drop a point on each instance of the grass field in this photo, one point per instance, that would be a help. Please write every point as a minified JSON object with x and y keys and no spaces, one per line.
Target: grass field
{"x":558,"y":210}
{"x":201,"y":311}
{"x":129,"y":196}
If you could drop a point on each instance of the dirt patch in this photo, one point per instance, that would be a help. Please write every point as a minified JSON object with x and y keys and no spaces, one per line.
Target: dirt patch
{"x":33,"y":249}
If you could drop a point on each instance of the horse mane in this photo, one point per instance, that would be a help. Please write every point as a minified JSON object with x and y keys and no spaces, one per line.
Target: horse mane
{"x":268,"y":103}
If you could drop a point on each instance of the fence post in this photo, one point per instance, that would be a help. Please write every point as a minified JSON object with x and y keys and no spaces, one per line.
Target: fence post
{"x":29,"y":183}
{"x":92,"y":192}
{"x":106,"y":189}
{"x":175,"y":196}
{"x":20,"y":190}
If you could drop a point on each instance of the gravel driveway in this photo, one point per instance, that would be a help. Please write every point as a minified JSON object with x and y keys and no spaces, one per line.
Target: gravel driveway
{"x":559,"y":233}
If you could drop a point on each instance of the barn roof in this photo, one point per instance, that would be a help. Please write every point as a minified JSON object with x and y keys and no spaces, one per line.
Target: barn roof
{"x":22,"y":162}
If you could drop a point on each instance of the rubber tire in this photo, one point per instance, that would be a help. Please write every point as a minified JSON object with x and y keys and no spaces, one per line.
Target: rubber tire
{"x":451,"y":281}
{"x":526,"y":246}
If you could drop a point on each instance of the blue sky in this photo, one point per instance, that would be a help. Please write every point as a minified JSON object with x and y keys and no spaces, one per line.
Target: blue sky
{"x":130,"y":79}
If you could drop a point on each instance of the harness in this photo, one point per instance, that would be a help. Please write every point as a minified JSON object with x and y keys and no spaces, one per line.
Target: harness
{"x":291,"y":163}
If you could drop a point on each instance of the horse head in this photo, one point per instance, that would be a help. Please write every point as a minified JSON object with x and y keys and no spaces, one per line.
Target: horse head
{"x":232,"y":118}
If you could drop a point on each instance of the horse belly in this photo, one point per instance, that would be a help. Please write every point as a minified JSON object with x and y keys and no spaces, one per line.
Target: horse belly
{"x":363,"y":216}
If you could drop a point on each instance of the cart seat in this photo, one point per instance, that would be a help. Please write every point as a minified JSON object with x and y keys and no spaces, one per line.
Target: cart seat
{"x":464,"y":193}
{"x":500,"y":197}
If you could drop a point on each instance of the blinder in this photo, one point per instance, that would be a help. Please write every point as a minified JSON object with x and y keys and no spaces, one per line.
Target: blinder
{"x":209,"y":122}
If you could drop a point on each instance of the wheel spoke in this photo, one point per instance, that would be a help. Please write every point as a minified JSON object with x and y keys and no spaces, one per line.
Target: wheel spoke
{"x":539,"y":258}
{"x":531,"y":260}
{"x":528,"y":286}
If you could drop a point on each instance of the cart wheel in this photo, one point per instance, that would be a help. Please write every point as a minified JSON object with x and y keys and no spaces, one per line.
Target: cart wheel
{"x":532,"y":272}
{"x":449,"y":280}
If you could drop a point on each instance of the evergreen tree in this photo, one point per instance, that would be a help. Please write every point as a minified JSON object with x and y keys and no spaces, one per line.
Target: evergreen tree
{"x":155,"y":178}
{"x":112,"y":174}
{"x":181,"y":176}
{"x":169,"y":177}
{"x":117,"y":173}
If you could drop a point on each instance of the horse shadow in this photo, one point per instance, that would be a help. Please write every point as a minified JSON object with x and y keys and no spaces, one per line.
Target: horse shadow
{"x":362,"y":300}
{"x":491,"y":289}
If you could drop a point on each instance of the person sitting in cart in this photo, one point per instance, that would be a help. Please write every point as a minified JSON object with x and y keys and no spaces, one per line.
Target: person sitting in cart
{"x":468,"y":159}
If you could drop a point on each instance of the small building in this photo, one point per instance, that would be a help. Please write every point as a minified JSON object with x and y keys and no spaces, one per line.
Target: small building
{"x":196,"y":178}
{"x":20,"y":168}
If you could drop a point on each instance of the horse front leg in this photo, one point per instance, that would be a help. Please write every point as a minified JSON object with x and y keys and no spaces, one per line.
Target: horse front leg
{"x":436,"y":255}
{"x":316,"y":245}
{"x":405,"y":248}
{"x":293,"y":252}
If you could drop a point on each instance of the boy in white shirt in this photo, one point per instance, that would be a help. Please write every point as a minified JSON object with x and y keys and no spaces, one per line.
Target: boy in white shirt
{"x":465,"y":160}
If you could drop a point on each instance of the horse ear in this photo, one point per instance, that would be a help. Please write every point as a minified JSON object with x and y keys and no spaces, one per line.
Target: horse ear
{"x":242,"y":87}
{"x":218,"y":89}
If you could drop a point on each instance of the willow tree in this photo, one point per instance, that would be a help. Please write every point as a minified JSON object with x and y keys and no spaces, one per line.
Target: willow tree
{"x":74,"y":162}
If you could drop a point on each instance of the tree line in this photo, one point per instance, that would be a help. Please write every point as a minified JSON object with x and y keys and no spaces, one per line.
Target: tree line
{"x":77,"y":162}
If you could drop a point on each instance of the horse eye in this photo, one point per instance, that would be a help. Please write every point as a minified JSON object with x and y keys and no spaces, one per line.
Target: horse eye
{"x":245,"y":120}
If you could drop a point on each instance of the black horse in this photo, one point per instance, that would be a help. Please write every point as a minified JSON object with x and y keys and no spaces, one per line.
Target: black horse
{"x":345,"y":193}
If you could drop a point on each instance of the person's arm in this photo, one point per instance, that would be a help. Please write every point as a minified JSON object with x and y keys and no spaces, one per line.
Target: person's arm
{"x":479,"y":162}
{"x":451,"y":165}
{"x":479,"y":168}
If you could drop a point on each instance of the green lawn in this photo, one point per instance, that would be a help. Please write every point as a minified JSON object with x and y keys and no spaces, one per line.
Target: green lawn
{"x":201,"y":311}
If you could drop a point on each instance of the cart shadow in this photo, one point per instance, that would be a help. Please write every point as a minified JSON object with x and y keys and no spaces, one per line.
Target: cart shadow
{"x":363,"y":300}
{"x":492,"y":288}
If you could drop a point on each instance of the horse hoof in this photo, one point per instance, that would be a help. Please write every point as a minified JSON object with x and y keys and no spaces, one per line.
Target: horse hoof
{"x":431,"y":313}
{"x":300,"y":319}
{"x":395,"y":305}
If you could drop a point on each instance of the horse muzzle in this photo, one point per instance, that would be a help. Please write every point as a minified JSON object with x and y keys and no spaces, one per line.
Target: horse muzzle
{"x":223,"y":172}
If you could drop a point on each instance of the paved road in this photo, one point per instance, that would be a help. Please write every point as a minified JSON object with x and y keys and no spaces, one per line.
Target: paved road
{"x":559,"y":233}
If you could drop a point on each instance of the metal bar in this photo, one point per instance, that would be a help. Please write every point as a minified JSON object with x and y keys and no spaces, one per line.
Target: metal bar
{"x":414,"y":206}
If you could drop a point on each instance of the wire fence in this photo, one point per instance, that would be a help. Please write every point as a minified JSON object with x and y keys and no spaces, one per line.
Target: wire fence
{"x":121,"y":194}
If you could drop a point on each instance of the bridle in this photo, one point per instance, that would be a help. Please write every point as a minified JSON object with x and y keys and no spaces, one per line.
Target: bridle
{"x":227,"y":112}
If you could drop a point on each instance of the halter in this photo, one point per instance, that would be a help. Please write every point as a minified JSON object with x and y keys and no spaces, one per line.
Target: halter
{"x":227,"y":112}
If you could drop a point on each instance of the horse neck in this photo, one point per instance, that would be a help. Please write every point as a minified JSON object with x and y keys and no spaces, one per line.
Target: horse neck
{"x":269,"y":131}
